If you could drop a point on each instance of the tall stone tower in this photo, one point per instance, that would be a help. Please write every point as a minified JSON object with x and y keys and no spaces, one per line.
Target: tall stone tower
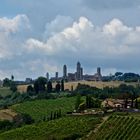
{"x":99,"y":71}
{"x":56,"y":75}
{"x":64,"y":71}
{"x":78,"y":72}
{"x":99,"y":74}
{"x":47,"y":76}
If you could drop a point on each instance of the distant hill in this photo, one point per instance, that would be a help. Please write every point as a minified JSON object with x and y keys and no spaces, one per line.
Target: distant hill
{"x":42,"y":108}
{"x":99,"y":84}
{"x":67,"y":128}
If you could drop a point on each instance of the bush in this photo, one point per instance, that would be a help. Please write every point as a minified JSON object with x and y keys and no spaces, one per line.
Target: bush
{"x":6,"y":125}
{"x":27,"y":119}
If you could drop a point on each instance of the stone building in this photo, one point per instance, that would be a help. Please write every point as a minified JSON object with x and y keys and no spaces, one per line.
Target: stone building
{"x":65,"y":72}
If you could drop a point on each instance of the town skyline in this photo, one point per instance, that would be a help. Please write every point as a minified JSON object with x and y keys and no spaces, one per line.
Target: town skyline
{"x":95,"y":32}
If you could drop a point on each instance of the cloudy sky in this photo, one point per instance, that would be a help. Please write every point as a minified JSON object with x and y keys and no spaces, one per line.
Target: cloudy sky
{"x":39,"y":36}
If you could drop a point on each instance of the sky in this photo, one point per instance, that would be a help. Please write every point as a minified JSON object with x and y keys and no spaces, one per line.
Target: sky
{"x":40,"y":36}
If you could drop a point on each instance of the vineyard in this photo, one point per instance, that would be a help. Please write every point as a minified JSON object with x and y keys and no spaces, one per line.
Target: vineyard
{"x":41,"y":108}
{"x":63,"y":128}
{"x":118,"y":128}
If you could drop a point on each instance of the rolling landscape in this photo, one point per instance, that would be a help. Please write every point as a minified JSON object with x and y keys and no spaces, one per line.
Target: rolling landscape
{"x":69,"y":70}
{"x":54,"y":117}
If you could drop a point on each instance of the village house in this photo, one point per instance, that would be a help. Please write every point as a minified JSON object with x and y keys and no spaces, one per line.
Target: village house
{"x":115,"y":103}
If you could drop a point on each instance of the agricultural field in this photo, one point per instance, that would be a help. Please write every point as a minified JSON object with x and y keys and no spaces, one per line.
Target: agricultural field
{"x":4,"y":91}
{"x":39,"y":108}
{"x":69,"y":85}
{"x":7,"y":114}
{"x":97,"y":84}
{"x":118,"y":128}
{"x":68,"y":127}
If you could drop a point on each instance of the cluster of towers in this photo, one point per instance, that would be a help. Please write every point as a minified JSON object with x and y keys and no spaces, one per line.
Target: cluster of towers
{"x":76,"y":76}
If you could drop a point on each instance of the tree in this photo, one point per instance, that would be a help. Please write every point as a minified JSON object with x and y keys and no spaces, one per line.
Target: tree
{"x":62,"y":85}
{"x":13,"y":86}
{"x":6,"y":82}
{"x":136,"y":103}
{"x":39,"y":84}
{"x":49,"y":87}
{"x":78,"y":102}
{"x":27,"y":119}
{"x":12,"y":78}
{"x":118,"y":73}
{"x":57,"y":87}
{"x":30,"y":90}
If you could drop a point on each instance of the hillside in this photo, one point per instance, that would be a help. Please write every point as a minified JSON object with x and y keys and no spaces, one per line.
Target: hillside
{"x":67,"y":127}
{"x":39,"y":108}
{"x":69,"y":85}
{"x":118,"y":128}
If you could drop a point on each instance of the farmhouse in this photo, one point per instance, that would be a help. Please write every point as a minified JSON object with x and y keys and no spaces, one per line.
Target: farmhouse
{"x":115,"y":103}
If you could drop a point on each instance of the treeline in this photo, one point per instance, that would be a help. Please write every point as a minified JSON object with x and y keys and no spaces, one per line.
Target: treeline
{"x":94,"y":95}
{"x":119,"y":76}
{"x":43,"y":85}
{"x":108,"y":92}
{"x":89,"y":102}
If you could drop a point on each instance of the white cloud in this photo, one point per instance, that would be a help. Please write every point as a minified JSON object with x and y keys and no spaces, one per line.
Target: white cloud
{"x":9,"y":27}
{"x":15,"y":24}
{"x":57,"y":25}
{"x":116,"y":27}
{"x":112,"y":46}
{"x":85,"y":39}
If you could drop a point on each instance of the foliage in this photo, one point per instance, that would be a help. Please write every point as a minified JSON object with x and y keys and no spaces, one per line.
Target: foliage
{"x":39,"y":84}
{"x":62,"y":85}
{"x":6,"y":82}
{"x":118,"y":73}
{"x":78,"y":102}
{"x":27,"y":119}
{"x":6,"y":125}
{"x":13,"y":86}
{"x":49,"y":87}
{"x":30,"y":90}
{"x":122,"y":92}
{"x":92,"y":102}
{"x":57,"y":87}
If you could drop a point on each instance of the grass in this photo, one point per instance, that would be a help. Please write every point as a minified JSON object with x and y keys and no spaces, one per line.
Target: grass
{"x":39,"y":108}
{"x":4,"y":91}
{"x":64,"y":128}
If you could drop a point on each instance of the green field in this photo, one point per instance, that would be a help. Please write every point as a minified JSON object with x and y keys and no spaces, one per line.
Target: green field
{"x":118,"y":128}
{"x":67,"y":127}
{"x":40,"y":108}
{"x":4,"y":91}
